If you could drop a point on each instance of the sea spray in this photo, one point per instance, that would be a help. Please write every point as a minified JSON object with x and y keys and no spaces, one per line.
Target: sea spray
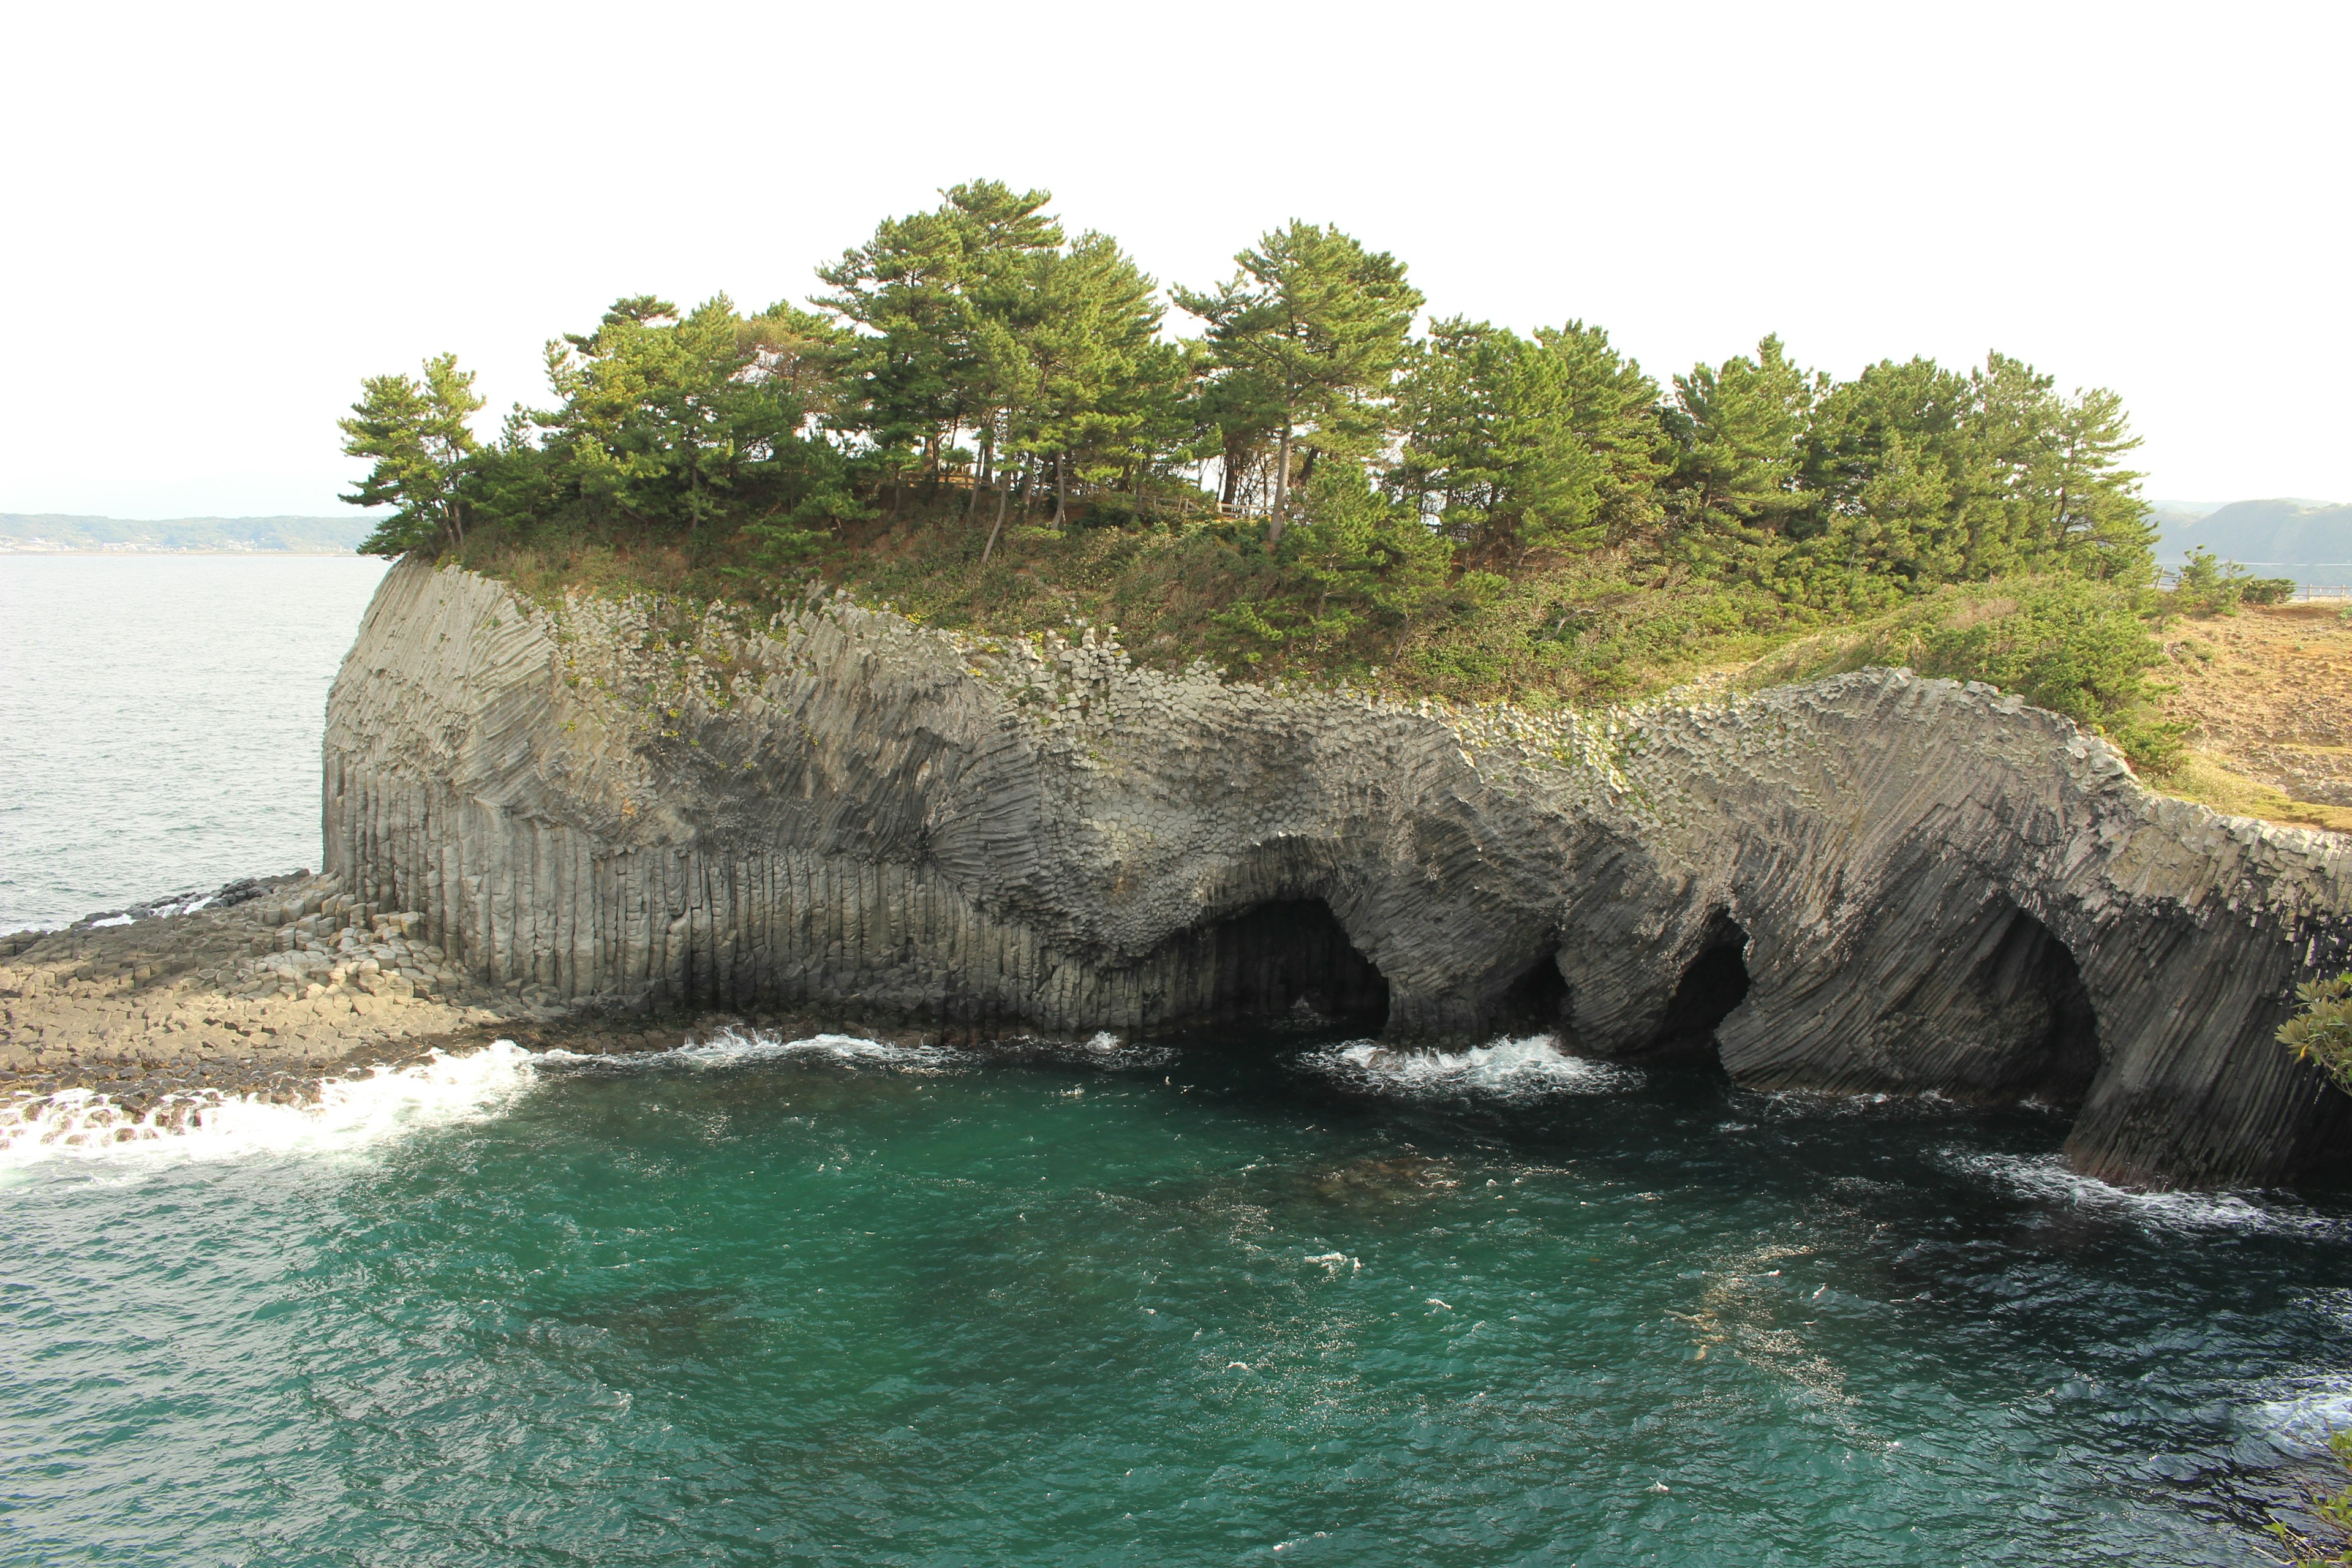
{"x":355,"y":1112}
{"x":2046,"y":1178}
{"x":730,"y":1047}
{"x":350,"y":1113}
{"x":1506,"y":1069}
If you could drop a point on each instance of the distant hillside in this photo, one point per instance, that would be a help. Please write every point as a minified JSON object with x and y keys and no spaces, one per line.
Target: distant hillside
{"x":2308,"y":540}
{"x":2172,"y":516}
{"x":23,"y":532}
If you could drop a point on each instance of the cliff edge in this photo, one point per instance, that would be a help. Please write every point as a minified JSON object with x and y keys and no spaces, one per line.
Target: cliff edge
{"x":1869,"y":883}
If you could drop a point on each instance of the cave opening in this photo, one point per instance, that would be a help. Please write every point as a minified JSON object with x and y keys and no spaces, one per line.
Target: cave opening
{"x":1534,"y":1003}
{"x":1288,"y":962}
{"x":2031,"y":1000}
{"x":1713,"y":983}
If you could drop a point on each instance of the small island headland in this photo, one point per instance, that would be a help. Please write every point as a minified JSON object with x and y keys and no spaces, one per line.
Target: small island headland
{"x":898,"y":666}
{"x":1868,"y":883}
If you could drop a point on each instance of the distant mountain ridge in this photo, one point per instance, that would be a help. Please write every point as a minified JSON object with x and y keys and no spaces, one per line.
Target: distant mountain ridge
{"x":25,"y":532}
{"x":2308,"y":540}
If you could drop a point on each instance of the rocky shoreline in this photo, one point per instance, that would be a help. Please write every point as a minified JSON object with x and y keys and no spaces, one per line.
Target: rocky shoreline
{"x":271,"y":987}
{"x":263,"y":986}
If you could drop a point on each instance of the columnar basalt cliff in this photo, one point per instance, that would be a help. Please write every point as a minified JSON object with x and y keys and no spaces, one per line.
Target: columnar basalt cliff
{"x":1871,"y":883}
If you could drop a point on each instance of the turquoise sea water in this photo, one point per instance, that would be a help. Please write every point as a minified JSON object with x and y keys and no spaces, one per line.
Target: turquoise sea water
{"x":830,"y":1302}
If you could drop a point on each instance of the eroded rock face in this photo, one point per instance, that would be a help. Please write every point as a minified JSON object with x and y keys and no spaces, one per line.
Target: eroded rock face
{"x":1873,"y":882}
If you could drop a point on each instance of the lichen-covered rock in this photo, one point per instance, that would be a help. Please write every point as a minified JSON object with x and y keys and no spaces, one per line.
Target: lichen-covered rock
{"x":1872,"y":882}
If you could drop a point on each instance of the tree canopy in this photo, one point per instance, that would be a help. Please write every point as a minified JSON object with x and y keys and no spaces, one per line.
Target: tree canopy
{"x":979,"y":357}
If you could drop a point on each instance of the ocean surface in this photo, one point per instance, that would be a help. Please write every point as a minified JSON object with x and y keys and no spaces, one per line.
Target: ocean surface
{"x":160,"y":719}
{"x":829,"y":1301}
{"x":763,"y":1300}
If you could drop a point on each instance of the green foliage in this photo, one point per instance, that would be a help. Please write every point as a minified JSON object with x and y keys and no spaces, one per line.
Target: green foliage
{"x":978,"y":318}
{"x":2322,"y":1032}
{"x":2334,"y":1510}
{"x":1852,"y":496}
{"x":676,"y":420}
{"x":1359,"y":561}
{"x":1309,"y":333}
{"x":1737,"y":430}
{"x":2077,"y":646}
{"x":415,"y":434}
{"x":2206,"y":586}
{"x":1492,"y":450}
{"x":1477,"y":513}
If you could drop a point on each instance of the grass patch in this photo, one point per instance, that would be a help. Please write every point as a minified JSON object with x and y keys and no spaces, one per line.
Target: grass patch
{"x":2206,"y":781}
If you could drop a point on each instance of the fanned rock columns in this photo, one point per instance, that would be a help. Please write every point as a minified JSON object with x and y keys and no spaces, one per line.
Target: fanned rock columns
{"x":1872,"y":883}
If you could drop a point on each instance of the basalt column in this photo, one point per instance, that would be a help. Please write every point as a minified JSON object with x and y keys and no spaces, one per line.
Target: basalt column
{"x":1872,"y":882}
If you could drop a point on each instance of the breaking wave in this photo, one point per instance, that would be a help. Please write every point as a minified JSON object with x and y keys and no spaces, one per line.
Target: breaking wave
{"x":736,"y":1048}
{"x":1508,"y":1070}
{"x":355,"y":1112}
{"x":2046,"y":1177}
{"x":350,"y":1113}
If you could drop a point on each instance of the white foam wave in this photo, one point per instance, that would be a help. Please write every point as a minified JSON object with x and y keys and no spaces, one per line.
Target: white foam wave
{"x":2308,"y":1418}
{"x":1506,"y":1069}
{"x":350,"y":1113}
{"x":734,"y":1047}
{"x":1103,"y":1049}
{"x":2047,"y":1177}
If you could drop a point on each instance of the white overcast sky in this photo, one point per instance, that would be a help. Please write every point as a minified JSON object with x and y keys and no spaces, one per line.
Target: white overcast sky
{"x":218,"y":218}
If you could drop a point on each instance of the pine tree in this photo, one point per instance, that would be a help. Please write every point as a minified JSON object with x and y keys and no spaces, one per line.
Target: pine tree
{"x":1491,"y":450}
{"x":1091,"y":341}
{"x":1315,"y":325}
{"x":1736,"y":429}
{"x":669,"y":418}
{"x":416,"y":432}
{"x":1613,"y":406}
{"x":909,"y":363}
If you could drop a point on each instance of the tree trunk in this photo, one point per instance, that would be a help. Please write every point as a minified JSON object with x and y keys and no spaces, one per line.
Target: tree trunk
{"x":1281,"y":490}
{"x":1003,"y":495}
{"x":1061,"y":490}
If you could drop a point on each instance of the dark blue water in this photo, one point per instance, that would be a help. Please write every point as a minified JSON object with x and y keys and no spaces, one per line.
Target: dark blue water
{"x":843,"y":1305}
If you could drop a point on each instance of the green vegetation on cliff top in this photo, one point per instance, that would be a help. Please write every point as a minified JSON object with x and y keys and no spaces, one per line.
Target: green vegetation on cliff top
{"x":981,"y":423}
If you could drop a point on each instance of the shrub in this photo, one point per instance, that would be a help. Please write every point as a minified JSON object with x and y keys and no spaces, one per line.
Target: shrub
{"x":2322,"y":1032}
{"x":2068,"y":643}
{"x":2208,"y":586}
{"x":2334,"y":1511}
{"x":2267,"y":590}
{"x":1359,"y":562}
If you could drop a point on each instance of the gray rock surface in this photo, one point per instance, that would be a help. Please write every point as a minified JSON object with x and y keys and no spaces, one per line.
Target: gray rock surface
{"x":1874,"y":883}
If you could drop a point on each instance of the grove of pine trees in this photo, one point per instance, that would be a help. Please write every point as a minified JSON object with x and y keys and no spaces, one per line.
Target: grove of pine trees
{"x":975,"y":378}
{"x":981,"y":354}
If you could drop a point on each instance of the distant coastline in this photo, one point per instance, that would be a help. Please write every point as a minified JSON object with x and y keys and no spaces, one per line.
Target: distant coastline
{"x":54,"y":533}
{"x":37,"y":547}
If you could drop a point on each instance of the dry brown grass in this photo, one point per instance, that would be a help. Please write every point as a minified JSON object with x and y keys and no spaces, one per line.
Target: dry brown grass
{"x":2269,"y":694}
